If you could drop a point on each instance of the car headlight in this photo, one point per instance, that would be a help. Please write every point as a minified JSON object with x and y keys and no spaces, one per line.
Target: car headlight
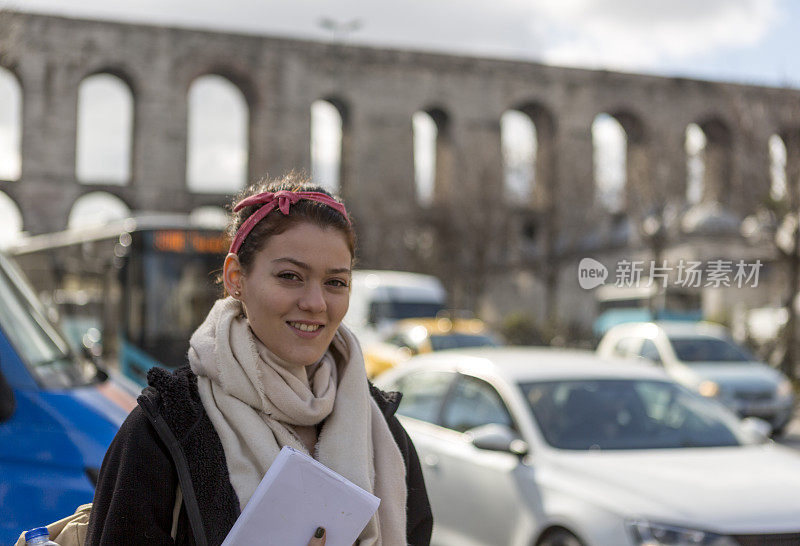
{"x":708,"y":388}
{"x":784,"y":388}
{"x":647,"y":533}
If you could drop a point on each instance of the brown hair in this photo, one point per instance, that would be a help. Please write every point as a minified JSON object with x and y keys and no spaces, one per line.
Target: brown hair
{"x":276,"y":222}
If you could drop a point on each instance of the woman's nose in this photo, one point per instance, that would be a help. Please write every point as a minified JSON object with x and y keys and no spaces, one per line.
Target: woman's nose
{"x":313,"y":299}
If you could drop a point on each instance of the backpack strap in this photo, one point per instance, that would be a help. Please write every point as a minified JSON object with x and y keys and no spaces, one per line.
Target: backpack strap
{"x":176,"y":512}
{"x":182,"y":468}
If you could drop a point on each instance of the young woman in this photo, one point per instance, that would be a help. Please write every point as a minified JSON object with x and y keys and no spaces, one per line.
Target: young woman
{"x":271,"y":365}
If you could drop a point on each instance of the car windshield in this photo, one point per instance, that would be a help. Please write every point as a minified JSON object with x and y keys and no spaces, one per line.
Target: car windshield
{"x":628,"y":414}
{"x":455,"y":341}
{"x":708,"y":349}
{"x":41,"y":346}
{"x":398,"y":310}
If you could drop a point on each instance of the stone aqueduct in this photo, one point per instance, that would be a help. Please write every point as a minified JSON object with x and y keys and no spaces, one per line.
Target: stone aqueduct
{"x":377,"y":91}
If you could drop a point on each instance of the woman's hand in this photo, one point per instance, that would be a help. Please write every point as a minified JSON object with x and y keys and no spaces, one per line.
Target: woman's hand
{"x":318,"y":539}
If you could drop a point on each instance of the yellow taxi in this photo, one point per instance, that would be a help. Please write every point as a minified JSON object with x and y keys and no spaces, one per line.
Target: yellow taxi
{"x":410,"y":337}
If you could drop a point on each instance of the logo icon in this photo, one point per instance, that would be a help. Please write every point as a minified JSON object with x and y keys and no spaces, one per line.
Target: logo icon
{"x":591,"y":273}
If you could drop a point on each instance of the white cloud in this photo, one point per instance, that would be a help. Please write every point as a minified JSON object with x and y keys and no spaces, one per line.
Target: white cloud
{"x":631,"y":34}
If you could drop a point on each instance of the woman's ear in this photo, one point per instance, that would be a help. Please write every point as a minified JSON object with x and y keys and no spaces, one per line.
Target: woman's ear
{"x":232,"y":275}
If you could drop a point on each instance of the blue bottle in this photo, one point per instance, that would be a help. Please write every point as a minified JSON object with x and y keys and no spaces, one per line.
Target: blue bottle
{"x":38,"y":536}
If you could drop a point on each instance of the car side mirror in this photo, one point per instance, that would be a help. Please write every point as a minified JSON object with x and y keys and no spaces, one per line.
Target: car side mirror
{"x":7,"y":402}
{"x":758,"y":429}
{"x":494,"y":437}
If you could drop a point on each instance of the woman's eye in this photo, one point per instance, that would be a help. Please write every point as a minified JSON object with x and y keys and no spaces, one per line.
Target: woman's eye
{"x":289,"y":276}
{"x":338,"y":283}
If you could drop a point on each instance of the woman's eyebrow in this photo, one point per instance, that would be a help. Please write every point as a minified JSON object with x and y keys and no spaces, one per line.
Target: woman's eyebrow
{"x":303,"y":265}
{"x":298,"y":263}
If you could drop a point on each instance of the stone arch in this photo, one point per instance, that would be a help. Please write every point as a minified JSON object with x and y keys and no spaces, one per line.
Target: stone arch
{"x":609,"y":159}
{"x":10,"y":220}
{"x":11,"y":98}
{"x":97,"y":207}
{"x":716,"y":156}
{"x":544,"y":176}
{"x":233,"y":71}
{"x":105,"y":129}
{"x":518,"y":144}
{"x":439,"y":152}
{"x":218,"y":135}
{"x":640,"y":191}
{"x":239,"y":73}
{"x":791,"y":141}
{"x":331,"y":143}
{"x":118,"y":71}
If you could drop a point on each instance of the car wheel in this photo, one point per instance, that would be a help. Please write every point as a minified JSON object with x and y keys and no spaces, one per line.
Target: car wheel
{"x":778,"y":432}
{"x":560,"y":537}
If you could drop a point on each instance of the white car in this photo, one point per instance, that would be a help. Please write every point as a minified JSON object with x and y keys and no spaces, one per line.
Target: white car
{"x":704,"y":358}
{"x":543,"y":447}
{"x":380,"y":298}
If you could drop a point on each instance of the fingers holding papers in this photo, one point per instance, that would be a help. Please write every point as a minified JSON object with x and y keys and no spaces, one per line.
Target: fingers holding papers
{"x":319,"y":538}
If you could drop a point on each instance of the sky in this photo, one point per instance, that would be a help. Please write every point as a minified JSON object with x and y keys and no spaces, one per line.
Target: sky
{"x":745,"y":41}
{"x":749,"y":41}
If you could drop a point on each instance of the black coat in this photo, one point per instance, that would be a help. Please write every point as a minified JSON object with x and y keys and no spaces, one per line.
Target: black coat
{"x":169,"y":439}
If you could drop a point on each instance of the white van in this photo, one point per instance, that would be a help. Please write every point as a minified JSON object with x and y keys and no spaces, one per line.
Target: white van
{"x":380,"y":298}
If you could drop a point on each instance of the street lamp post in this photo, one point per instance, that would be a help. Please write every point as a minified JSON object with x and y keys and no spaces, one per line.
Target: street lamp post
{"x":340,"y":30}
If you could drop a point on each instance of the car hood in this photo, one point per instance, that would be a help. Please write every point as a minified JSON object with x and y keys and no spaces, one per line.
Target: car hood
{"x":751,"y":376}
{"x":747,"y":489}
{"x":88,"y":416}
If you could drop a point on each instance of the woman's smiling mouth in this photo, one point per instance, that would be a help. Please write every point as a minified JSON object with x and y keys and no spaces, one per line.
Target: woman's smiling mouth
{"x":305,"y":327}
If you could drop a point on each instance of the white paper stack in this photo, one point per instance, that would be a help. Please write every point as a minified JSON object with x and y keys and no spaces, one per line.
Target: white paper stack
{"x":297,"y":495}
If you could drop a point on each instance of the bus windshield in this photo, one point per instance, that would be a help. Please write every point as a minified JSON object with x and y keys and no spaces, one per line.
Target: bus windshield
{"x":178,"y":291}
{"x":170,"y":288}
{"x":41,"y":346}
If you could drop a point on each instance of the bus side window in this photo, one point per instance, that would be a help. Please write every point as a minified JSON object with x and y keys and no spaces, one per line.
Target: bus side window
{"x":650,"y":351}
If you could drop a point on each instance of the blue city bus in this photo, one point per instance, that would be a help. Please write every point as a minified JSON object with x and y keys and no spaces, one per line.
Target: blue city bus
{"x":58,"y":413}
{"x":145,"y":283}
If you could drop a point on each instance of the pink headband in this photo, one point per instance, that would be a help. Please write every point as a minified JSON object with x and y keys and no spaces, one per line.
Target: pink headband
{"x":281,"y":200}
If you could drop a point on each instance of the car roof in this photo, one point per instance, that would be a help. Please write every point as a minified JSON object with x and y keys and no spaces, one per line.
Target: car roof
{"x":674,"y":328}
{"x":523,"y":364}
{"x":377,"y":277}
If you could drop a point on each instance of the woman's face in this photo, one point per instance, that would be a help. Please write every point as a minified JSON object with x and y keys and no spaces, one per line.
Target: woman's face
{"x":297,"y":291}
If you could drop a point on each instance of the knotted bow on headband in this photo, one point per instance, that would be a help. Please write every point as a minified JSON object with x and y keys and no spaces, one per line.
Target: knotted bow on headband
{"x":281,"y":200}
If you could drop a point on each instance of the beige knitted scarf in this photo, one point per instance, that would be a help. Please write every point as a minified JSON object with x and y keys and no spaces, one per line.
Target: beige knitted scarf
{"x":253,"y":399}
